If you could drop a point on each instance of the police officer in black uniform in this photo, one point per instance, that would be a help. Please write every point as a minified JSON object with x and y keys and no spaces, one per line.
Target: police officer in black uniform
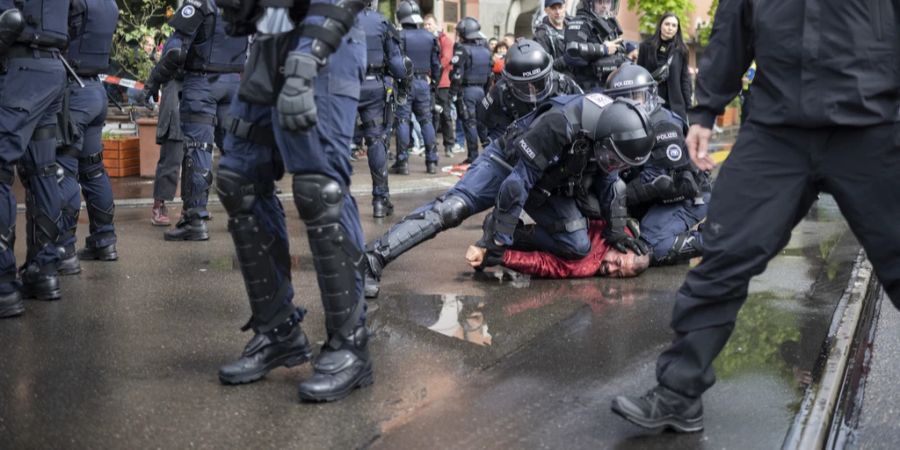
{"x":668,"y":193}
{"x":468,"y":79}
{"x":593,"y":47}
{"x":212,"y":62}
{"x":823,"y":118}
{"x":91,"y":27}
{"x":422,"y":48}
{"x":296,"y":99}
{"x":527,"y":80}
{"x":32,"y":80}
{"x":385,"y":63}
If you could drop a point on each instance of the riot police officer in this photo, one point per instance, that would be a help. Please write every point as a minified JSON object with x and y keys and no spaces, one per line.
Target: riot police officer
{"x":299,"y":112}
{"x":468,"y":78}
{"x":593,"y":40}
{"x":527,"y":80}
{"x":34,"y":76}
{"x":91,"y":27}
{"x":212,"y":62}
{"x":560,"y":141}
{"x":422,"y":48}
{"x":385,"y":63}
{"x":668,"y":193}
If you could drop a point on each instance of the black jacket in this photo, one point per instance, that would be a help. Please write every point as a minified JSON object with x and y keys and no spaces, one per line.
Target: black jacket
{"x":819,"y":62}
{"x":553,"y":41}
{"x":678,"y":84}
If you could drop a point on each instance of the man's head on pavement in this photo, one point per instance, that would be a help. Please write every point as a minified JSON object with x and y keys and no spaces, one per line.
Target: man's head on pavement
{"x":616,"y":264}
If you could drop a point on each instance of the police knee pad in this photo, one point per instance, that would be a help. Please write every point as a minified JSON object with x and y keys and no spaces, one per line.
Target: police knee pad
{"x":319,"y":199}
{"x":452,"y":211}
{"x":238,"y":193}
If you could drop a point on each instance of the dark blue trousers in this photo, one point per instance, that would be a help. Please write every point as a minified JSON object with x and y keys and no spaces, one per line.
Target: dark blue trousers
{"x":87,"y":111}
{"x":30,"y":98}
{"x":421,"y":103}
{"x":372,"y":115}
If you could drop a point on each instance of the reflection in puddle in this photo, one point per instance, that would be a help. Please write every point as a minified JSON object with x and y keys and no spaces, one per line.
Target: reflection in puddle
{"x":462,"y":319}
{"x":457,"y":316}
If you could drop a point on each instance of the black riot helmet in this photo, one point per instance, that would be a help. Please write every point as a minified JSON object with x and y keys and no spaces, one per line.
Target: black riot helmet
{"x":604,"y":9}
{"x":468,"y":29}
{"x":408,"y":13}
{"x":527,"y":70}
{"x":635,"y":82}
{"x":619,"y":129}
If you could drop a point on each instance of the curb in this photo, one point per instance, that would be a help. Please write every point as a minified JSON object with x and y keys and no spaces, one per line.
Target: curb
{"x":813,"y":423}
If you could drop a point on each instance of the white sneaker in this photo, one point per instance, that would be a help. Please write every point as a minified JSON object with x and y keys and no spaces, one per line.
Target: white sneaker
{"x":417,"y":150}
{"x":458,"y":148}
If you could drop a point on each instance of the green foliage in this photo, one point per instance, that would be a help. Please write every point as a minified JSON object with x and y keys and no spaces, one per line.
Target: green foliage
{"x":136,"y":20}
{"x":704,"y":31}
{"x":650,"y":11}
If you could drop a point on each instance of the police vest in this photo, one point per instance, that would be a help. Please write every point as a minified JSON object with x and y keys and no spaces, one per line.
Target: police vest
{"x":46,"y":23}
{"x":373,"y":24}
{"x":419,"y":45}
{"x":479,"y":70}
{"x":94,"y":22}
{"x":213,"y":50}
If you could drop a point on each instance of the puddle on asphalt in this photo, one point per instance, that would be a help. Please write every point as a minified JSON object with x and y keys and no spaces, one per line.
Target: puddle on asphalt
{"x":458,"y":316}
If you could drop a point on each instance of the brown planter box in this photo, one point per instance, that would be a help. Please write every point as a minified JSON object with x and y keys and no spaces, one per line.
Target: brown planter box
{"x":149,"y":147}
{"x":121,"y":157}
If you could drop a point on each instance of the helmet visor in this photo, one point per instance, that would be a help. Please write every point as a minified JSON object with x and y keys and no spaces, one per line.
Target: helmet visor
{"x":610,"y":158}
{"x":645,"y":96}
{"x":531,"y":91}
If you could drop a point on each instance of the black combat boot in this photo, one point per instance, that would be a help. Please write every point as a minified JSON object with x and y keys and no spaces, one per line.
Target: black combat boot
{"x":661,"y":407}
{"x":105,"y":253}
{"x":342,"y":366}
{"x":431,"y":167}
{"x":400,"y":167}
{"x":382,"y":207}
{"x":191,"y":227}
{"x":41,"y":284}
{"x":11,"y":305}
{"x":285,"y":345}
{"x":68,"y":261}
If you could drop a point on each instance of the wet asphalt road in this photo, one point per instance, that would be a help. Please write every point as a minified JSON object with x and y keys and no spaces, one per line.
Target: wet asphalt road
{"x":128,"y":358}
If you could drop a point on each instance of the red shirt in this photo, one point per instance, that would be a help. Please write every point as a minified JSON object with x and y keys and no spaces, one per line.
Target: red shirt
{"x":446,"y":55}
{"x":547,"y":265}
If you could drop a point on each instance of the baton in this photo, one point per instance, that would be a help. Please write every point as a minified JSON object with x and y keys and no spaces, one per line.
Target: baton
{"x":70,"y":70}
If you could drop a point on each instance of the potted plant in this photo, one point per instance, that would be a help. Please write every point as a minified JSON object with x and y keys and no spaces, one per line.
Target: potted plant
{"x":121,"y":155}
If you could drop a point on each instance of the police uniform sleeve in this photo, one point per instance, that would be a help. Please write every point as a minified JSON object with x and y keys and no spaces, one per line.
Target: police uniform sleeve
{"x":537,"y":148}
{"x":727,"y":57}
{"x":188,"y":19}
{"x":456,"y":72}
{"x":392,"y":50}
{"x":579,"y":50}
{"x":435,"y":63}
{"x":568,"y":86}
{"x":489,"y":113}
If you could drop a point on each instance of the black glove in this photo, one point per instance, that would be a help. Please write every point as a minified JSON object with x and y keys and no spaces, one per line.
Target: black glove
{"x":151,"y":90}
{"x":493,"y":255}
{"x":615,"y":235}
{"x":296,"y":103}
{"x":639,"y":192}
{"x":686,"y":185}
